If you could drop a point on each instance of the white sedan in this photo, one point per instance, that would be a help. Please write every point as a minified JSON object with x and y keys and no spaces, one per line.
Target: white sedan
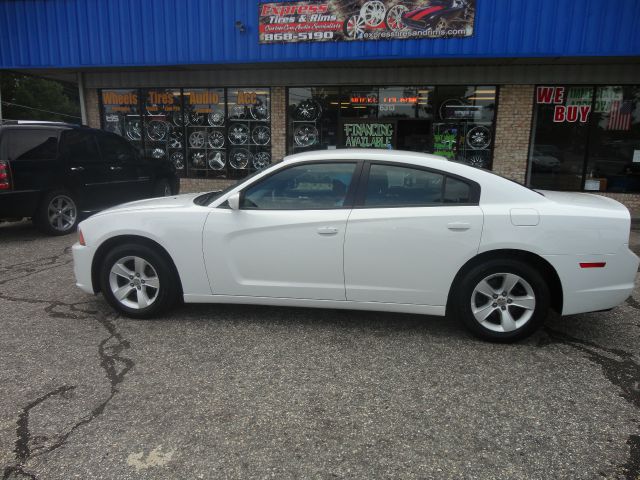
{"x":369,"y":230}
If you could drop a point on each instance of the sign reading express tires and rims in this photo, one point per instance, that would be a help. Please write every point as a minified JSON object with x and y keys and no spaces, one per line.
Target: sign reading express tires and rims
{"x":344,"y":20}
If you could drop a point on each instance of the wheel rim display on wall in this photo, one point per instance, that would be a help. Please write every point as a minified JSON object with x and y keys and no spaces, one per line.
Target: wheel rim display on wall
{"x":308,"y":111}
{"x":216,"y":119}
{"x":177,"y":158}
{"x":261,"y":135}
{"x":479,"y":138}
{"x":215,"y":160}
{"x":240,"y":158}
{"x":198,"y":159}
{"x":216,"y":139}
{"x":157,"y":130}
{"x":179,"y":119}
{"x":157,"y":153}
{"x":305,"y":135}
{"x":197,"y":139}
{"x":237,"y":112}
{"x":175,"y":139}
{"x":238,"y":133}
{"x":196,"y":118}
{"x":261,"y":160}
{"x":260,"y":111}
{"x":134,"y":130}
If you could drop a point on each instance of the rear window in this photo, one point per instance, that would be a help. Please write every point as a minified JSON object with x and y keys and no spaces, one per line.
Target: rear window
{"x":32,"y":144}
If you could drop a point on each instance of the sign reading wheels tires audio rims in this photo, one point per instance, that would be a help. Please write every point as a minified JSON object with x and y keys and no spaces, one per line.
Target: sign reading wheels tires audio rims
{"x":346,"y":20}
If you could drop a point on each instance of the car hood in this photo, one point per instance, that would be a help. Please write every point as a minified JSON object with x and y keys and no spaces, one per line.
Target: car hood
{"x":176,"y":201}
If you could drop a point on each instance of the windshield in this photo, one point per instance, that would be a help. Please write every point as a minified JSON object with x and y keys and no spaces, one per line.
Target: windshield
{"x":206,"y":198}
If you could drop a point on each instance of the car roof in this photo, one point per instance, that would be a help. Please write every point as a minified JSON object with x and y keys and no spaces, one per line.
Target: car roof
{"x":367,"y":154}
{"x":40,"y":123}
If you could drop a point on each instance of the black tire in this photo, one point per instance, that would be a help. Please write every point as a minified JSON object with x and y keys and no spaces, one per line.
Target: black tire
{"x":162,"y":188}
{"x":164,"y":297}
{"x":463,"y":296}
{"x":53,"y":220}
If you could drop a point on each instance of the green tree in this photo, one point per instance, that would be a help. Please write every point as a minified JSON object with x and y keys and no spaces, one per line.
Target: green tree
{"x":32,"y":98}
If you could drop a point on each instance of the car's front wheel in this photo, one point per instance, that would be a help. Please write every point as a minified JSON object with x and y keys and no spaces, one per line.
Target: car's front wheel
{"x":502,"y":300}
{"x":138,"y":281}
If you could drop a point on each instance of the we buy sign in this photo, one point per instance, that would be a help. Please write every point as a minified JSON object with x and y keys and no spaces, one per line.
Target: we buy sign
{"x":561,"y":112}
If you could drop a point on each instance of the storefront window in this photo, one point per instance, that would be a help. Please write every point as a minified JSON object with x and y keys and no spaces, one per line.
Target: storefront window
{"x":121,"y":114}
{"x":613,"y":162}
{"x":163,"y":138}
{"x":204,"y":121}
{"x":313,"y":118}
{"x":560,"y":132}
{"x":204,"y":132}
{"x":249,"y":130}
{"x":456,"y":122}
{"x":586,"y":138}
{"x":463,"y":125}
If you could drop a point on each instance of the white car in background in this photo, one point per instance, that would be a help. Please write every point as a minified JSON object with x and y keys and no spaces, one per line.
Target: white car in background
{"x":369,"y":230}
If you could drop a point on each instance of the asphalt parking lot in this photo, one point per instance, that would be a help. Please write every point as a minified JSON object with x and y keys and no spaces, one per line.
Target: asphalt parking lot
{"x":256,"y":392}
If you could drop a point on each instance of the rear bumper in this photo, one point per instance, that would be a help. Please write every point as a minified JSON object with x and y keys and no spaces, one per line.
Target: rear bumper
{"x":82,"y":259}
{"x":18,"y":204}
{"x":595,"y":289}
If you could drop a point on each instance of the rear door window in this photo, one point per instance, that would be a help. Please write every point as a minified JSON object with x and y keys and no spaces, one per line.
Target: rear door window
{"x":114,"y":149}
{"x":32,"y":144}
{"x":80,"y":147}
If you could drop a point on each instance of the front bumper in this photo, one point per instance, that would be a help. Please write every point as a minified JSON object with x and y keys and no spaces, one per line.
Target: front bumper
{"x":82,"y":259}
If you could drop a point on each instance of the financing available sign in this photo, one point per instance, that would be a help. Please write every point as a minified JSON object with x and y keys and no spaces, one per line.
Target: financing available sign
{"x":346,"y":20}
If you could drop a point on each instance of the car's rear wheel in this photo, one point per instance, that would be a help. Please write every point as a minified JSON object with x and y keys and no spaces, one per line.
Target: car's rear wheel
{"x":57,"y":213}
{"x":502,"y":300}
{"x":138,"y":281}
{"x":162,"y":188}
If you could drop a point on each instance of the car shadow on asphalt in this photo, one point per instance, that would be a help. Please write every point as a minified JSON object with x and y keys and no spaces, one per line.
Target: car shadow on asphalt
{"x":369,"y":322}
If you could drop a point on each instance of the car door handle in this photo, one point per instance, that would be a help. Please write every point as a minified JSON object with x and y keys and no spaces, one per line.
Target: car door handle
{"x":113,"y":168}
{"x":458,"y":226}
{"x":77,"y":169}
{"x":327,"y":231}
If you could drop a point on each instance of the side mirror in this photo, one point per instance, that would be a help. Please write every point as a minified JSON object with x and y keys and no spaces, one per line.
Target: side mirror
{"x":234,"y":201}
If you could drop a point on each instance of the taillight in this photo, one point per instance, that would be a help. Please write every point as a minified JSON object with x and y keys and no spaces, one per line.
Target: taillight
{"x":5,"y":181}
{"x":81,"y":238}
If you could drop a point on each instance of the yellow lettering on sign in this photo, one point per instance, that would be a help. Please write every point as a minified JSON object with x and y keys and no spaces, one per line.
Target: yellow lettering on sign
{"x":247,"y":98}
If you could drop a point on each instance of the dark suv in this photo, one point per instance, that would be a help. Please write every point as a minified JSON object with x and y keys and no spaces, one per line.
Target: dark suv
{"x":53,"y":172}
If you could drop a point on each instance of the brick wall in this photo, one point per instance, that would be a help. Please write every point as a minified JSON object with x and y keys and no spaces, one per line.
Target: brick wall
{"x":629,"y":200}
{"x":92,"y":107}
{"x":190,"y":185}
{"x":278,"y":123}
{"x":513,"y":130}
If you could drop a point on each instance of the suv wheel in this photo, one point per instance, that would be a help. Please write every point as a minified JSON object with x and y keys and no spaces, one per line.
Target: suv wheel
{"x":502,"y":300}
{"x":162,"y":189}
{"x":57,"y":214}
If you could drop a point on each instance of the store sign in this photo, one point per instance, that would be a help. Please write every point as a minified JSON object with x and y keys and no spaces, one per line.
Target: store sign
{"x":368,"y":135}
{"x":345,"y":20}
{"x":574,"y":110}
{"x":114,"y":98}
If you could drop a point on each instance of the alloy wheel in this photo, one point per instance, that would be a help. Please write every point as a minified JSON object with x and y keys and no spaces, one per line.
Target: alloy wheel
{"x":503,"y":302}
{"x":62,"y":213}
{"x":134,"y":282}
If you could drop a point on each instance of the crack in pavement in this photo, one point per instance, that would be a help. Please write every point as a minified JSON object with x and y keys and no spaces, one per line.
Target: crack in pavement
{"x":622,"y":371}
{"x":115,"y":365}
{"x":25,"y":269}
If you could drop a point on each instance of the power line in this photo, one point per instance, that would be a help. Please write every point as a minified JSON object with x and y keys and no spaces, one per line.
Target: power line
{"x":39,"y":109}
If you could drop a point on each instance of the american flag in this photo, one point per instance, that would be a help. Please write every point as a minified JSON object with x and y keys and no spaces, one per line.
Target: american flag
{"x":620,"y":115}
